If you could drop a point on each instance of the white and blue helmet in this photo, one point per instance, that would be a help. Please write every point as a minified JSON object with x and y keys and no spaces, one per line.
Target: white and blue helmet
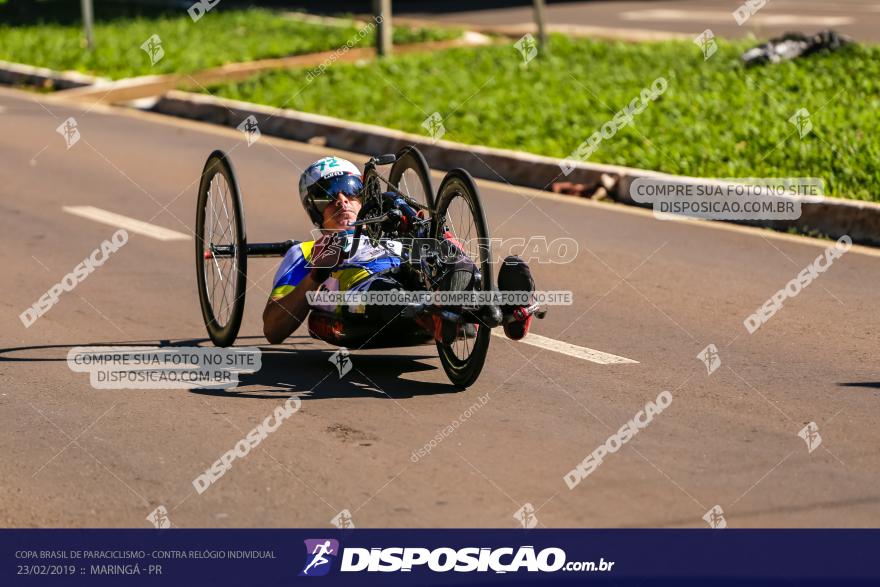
{"x":323,"y":180}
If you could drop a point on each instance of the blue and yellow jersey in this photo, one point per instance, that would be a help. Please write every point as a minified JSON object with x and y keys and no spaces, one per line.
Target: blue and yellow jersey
{"x":354,"y":272}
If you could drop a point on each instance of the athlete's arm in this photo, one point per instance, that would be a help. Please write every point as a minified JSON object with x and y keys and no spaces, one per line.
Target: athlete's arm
{"x":283,"y":316}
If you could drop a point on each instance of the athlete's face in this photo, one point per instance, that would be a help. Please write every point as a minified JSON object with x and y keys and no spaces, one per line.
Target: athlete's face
{"x":341,"y":212}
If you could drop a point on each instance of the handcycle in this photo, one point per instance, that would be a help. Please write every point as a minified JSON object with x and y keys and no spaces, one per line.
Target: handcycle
{"x":401,"y":207}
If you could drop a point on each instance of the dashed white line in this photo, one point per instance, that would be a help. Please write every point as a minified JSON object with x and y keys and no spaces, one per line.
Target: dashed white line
{"x":129,"y":224}
{"x":572,"y":350}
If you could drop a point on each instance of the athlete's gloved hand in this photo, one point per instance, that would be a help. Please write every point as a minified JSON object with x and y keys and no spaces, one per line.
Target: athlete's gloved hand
{"x":327,"y":255}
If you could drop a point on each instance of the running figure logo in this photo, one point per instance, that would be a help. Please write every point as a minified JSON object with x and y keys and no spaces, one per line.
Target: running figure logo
{"x":341,"y":360}
{"x":320,"y":554}
{"x":343,"y":520}
{"x":715,"y":518}
{"x":251,"y":129}
{"x":801,"y":121}
{"x":159,"y":517}
{"x":68,"y":129}
{"x":710,"y":358}
{"x":527,"y":47}
{"x":434,"y":125}
{"x":526,"y":516}
{"x":810,"y":435}
{"x":706,"y":42}
{"x":153,"y":48}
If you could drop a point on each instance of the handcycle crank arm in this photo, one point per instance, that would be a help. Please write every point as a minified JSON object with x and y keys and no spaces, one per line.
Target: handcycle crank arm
{"x":521,"y":314}
{"x":489,"y":316}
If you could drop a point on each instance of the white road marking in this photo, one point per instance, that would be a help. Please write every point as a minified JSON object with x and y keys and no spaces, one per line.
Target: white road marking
{"x":129,"y":224}
{"x":721,"y":16}
{"x":572,"y":350}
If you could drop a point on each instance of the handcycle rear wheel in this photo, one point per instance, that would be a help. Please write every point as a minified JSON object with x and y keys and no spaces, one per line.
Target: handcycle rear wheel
{"x":459,"y":216}
{"x":220,"y":223}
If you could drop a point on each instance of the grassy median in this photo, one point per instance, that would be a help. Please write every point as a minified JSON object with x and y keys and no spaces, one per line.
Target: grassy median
{"x":715,"y":119}
{"x":218,"y":37}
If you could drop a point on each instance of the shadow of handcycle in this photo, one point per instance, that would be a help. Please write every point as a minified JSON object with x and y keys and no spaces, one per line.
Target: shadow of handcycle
{"x":302,"y":368}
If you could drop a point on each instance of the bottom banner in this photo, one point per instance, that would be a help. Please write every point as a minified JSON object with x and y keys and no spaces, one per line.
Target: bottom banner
{"x":437,"y":557}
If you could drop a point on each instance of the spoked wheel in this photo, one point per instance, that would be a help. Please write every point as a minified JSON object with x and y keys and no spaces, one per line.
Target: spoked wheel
{"x":411,"y":176}
{"x":221,"y":250}
{"x":459,"y":218}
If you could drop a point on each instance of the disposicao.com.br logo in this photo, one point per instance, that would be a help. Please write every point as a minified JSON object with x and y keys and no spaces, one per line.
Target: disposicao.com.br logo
{"x":322,"y":553}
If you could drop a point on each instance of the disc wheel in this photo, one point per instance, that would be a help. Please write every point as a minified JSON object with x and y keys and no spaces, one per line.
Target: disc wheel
{"x":220,"y":227}
{"x":411,"y":176}
{"x":459,"y":217}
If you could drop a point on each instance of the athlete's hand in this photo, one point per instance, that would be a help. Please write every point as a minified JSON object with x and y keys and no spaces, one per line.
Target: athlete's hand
{"x":327,"y":255}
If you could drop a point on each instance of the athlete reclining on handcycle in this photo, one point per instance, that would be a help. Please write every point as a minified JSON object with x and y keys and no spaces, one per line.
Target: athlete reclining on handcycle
{"x":330,"y":192}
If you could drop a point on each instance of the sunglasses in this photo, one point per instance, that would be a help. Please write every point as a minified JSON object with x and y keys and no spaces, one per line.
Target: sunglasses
{"x":327,"y":190}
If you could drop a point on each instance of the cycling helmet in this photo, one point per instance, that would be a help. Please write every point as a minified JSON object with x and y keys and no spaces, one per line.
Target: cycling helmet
{"x":323,"y":180}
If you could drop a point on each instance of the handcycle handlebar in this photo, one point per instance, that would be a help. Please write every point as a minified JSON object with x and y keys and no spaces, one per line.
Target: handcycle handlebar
{"x":386,"y":159}
{"x":371,"y":221}
{"x":251,"y":249}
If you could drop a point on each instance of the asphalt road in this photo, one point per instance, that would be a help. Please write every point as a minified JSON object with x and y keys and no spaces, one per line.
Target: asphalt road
{"x":653,"y":291}
{"x":859,"y":19}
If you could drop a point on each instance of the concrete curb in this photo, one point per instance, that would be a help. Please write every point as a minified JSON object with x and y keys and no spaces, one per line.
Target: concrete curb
{"x":19,"y":74}
{"x":514,"y":167}
{"x":833,"y":217}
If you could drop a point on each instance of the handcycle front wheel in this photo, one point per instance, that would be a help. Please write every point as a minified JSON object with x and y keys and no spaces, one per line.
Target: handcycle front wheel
{"x":459,"y":217}
{"x":221,"y":250}
{"x":411,"y":176}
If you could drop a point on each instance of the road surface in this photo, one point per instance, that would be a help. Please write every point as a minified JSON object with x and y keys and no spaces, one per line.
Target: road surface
{"x":859,"y":19}
{"x":655,"y":292}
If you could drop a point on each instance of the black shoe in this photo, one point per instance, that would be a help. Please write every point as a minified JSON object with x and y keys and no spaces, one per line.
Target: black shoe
{"x":515,"y":275}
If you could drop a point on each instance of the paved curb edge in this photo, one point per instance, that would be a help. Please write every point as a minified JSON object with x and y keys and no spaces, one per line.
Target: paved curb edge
{"x":19,"y":74}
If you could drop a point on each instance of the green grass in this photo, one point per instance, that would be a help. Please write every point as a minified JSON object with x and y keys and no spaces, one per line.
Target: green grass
{"x":715,"y":119}
{"x":218,"y":37}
